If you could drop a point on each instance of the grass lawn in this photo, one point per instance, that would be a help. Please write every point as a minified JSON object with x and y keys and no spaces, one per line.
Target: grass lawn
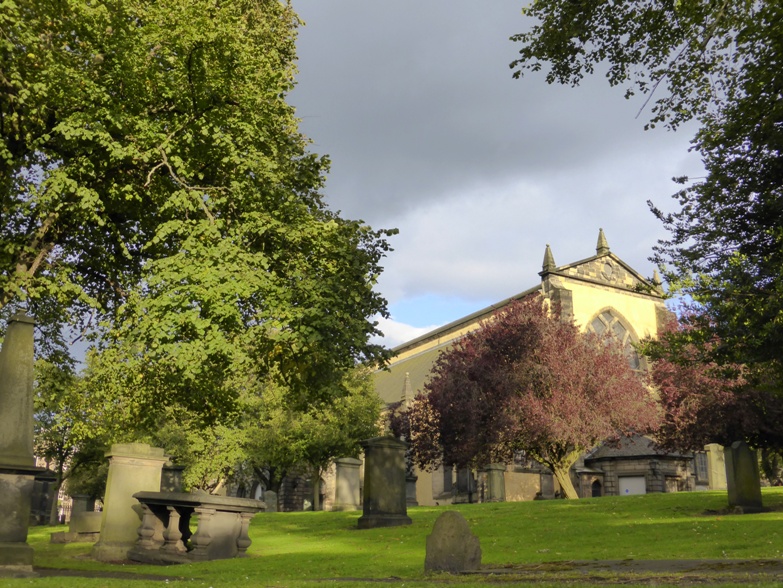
{"x":308,"y":549}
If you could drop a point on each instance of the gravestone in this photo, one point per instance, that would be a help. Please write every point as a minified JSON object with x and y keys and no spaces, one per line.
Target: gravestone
{"x":85,"y":523}
{"x":270,"y":498}
{"x":171,"y":478}
{"x":347,"y":484}
{"x":384,"y":484}
{"x":133,"y":467}
{"x":17,"y":464}
{"x":547,"y":486}
{"x":716,"y":466}
{"x":452,"y":547}
{"x":742,"y":477}
{"x":496,"y":482}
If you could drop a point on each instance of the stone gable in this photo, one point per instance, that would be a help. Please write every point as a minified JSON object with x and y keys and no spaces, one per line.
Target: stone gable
{"x":605,"y":270}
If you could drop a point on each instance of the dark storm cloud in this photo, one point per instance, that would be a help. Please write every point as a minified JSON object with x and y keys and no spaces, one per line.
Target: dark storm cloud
{"x":427,"y":131}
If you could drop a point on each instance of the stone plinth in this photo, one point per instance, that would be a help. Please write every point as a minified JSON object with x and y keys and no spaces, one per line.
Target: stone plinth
{"x":452,"y":547}
{"x":496,"y":482}
{"x":165,"y":537}
{"x":347,"y":484}
{"x":742,"y":477}
{"x":384,"y":484}
{"x":133,"y":467}
{"x":17,"y":464}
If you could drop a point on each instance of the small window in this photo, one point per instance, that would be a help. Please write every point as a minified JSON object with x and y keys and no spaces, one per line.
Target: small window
{"x":700,"y":461}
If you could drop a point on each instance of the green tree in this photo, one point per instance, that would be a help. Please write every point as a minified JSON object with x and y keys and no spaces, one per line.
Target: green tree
{"x":65,"y":435}
{"x":284,"y":438}
{"x":716,"y":62}
{"x":152,"y":174}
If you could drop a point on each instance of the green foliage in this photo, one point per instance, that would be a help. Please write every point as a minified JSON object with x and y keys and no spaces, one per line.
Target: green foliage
{"x":715,"y":62}
{"x":155,"y":188}
{"x":151,"y":170}
{"x":284,"y":437}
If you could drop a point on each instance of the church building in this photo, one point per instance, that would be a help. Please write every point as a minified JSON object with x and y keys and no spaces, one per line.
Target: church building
{"x":600,"y":293}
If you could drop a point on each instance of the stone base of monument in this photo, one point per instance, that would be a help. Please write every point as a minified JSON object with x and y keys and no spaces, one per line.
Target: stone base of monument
{"x":16,"y":487}
{"x":165,"y":536}
{"x":16,"y":560}
{"x":383,"y":520}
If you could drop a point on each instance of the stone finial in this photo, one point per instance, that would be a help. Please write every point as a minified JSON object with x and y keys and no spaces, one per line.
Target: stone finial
{"x":602,"y":247}
{"x":549,"y":260}
{"x":407,"y":392}
{"x":657,"y":283}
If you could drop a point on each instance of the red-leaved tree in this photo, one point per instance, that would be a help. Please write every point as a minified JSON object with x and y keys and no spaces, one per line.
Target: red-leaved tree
{"x":704,"y":402}
{"x":529,"y":380}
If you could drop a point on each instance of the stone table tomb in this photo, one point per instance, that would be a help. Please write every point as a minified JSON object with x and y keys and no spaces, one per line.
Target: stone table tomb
{"x":165,"y":534}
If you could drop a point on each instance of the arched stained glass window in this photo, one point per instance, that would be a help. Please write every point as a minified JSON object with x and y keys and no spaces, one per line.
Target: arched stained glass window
{"x":609,"y":321}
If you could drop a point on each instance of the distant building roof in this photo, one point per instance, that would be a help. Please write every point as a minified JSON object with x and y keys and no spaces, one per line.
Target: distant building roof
{"x":629,"y":447}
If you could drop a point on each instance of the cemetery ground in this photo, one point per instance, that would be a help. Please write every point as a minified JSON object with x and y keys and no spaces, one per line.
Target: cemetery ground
{"x":628,"y":541}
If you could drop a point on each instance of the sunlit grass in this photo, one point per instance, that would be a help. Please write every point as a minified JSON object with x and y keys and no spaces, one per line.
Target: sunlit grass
{"x":291,"y":549}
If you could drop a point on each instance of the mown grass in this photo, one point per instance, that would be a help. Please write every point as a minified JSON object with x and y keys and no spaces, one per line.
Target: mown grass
{"x":297,"y":549}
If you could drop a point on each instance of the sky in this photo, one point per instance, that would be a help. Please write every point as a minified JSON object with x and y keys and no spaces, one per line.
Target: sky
{"x":427,"y":132}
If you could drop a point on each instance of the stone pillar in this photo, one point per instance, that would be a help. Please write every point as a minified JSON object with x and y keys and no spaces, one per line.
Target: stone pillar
{"x":384,"y":484}
{"x":347,"y":482}
{"x":742,"y":476}
{"x":17,"y":464}
{"x":133,"y":467}
{"x":716,"y":466}
{"x":496,"y":482}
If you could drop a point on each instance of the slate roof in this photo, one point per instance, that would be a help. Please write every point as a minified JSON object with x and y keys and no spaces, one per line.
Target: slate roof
{"x":629,"y":447}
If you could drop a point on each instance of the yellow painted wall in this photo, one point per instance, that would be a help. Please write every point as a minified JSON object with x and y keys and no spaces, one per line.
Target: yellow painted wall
{"x":637,"y":310}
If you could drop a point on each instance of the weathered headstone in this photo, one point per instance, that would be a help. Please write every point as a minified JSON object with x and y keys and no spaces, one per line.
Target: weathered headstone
{"x":547,"y":486}
{"x":452,"y":547}
{"x":270,"y":498}
{"x":742,"y":477}
{"x":171,"y":478}
{"x":347,"y":484}
{"x":716,"y":466}
{"x":17,"y":464}
{"x":384,"y":484}
{"x":496,"y":482}
{"x":133,"y":467}
{"x":85,"y":523}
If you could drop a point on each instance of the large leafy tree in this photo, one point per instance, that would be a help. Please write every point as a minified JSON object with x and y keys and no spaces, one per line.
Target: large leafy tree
{"x":529,"y":380}
{"x":154,"y":185}
{"x":150,"y":167}
{"x":717,"y":62}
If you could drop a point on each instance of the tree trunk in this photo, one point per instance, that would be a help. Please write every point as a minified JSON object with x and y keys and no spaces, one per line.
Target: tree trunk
{"x":564,"y":479}
{"x":54,"y":515}
{"x":316,"y":491}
